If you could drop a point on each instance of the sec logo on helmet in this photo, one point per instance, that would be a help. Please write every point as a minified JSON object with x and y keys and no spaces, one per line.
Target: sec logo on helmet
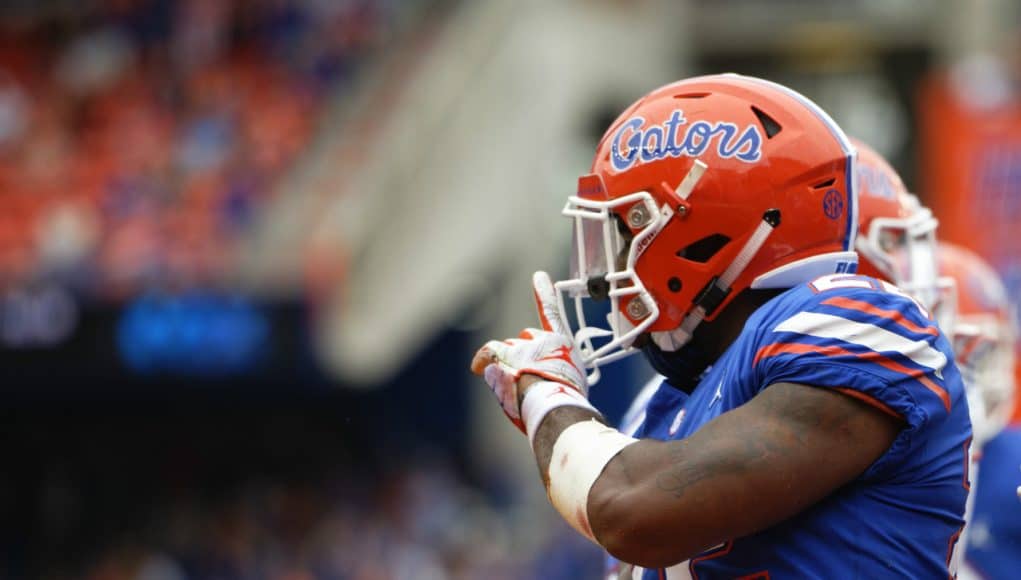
{"x":833,"y":204}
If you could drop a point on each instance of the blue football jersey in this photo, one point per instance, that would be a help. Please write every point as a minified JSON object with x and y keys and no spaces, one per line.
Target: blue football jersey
{"x":902,"y":517}
{"x":994,"y":536}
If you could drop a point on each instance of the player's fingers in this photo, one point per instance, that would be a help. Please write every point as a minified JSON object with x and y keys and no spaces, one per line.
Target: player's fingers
{"x":546,"y":304}
{"x":484,"y":357}
{"x":481,"y":360}
{"x":491,"y":352}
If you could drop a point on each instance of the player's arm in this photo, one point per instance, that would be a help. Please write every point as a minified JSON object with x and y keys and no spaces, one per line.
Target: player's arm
{"x":657,"y":503}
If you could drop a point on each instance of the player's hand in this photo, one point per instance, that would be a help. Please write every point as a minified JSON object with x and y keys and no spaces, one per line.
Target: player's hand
{"x":542,"y":353}
{"x":549,"y":353}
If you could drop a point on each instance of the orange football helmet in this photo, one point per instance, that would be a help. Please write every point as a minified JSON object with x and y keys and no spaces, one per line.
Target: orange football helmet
{"x":897,"y":234}
{"x":699,"y":190}
{"x":983,"y":336}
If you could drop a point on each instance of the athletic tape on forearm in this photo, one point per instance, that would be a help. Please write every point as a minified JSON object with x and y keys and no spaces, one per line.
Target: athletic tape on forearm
{"x":579,"y":456}
{"x":543,"y":397}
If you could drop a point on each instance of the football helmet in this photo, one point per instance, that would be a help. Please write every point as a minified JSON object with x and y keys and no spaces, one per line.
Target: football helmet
{"x":983,"y":337}
{"x":699,"y":190}
{"x":897,"y":234}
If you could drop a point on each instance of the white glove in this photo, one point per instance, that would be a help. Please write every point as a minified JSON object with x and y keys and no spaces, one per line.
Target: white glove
{"x":548,"y":353}
{"x":543,"y":353}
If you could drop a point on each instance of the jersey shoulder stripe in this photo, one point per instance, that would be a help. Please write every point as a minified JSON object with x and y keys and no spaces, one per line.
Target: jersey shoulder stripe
{"x":853,"y":322}
{"x":885,"y":316}
{"x":870,"y":336}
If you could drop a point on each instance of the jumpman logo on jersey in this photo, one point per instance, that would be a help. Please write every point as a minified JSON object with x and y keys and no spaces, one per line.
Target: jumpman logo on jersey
{"x":718,"y":396}
{"x":562,"y":353}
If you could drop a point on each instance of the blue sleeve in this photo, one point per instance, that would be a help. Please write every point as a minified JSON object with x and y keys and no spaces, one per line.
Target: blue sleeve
{"x":866,"y":341}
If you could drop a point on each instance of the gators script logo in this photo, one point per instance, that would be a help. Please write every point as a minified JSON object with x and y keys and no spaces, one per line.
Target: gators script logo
{"x":632,"y":144}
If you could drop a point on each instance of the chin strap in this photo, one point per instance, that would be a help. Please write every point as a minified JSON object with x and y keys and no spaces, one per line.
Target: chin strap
{"x":717,"y":290}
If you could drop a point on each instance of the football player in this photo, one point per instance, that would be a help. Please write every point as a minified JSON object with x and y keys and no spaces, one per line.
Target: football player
{"x":897,"y":242}
{"x":984,"y":336}
{"x":812,"y":422}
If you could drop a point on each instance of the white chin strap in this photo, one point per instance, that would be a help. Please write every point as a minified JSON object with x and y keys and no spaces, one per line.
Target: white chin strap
{"x":719,"y":288}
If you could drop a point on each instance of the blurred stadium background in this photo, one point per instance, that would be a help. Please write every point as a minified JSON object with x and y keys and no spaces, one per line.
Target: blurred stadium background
{"x":247,"y":249}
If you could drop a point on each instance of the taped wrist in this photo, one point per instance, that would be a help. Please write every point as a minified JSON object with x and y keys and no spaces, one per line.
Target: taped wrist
{"x":545,"y":396}
{"x":579,"y":457}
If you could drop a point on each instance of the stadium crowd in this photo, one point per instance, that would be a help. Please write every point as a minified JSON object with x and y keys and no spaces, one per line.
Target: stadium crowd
{"x":281,"y":492}
{"x":422,"y":523}
{"x":139,"y":138}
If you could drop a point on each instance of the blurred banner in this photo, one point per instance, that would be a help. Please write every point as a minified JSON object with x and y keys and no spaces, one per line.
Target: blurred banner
{"x":971,"y":158}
